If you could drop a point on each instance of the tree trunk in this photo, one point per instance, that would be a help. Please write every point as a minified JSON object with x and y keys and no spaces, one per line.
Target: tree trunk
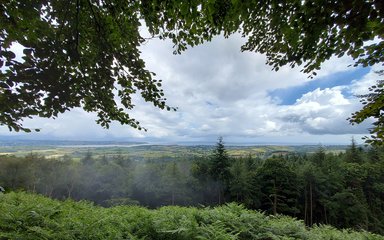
{"x":305,"y":206}
{"x":219,"y":196}
{"x":70,"y":189}
{"x":311,"y":204}
{"x":274,"y":198}
{"x":173,"y":197}
{"x":325,"y":215}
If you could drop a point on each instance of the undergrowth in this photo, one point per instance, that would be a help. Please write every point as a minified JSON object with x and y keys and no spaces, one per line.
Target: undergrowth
{"x":30,"y":216}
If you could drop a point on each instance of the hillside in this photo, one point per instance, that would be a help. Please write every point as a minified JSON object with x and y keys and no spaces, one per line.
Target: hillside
{"x":141,"y":151}
{"x":29,"y":216}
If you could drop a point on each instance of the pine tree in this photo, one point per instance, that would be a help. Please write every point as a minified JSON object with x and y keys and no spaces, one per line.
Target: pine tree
{"x":354,"y":153}
{"x":219,"y":169}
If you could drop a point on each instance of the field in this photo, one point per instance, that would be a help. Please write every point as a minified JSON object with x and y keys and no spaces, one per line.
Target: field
{"x":139,"y":151}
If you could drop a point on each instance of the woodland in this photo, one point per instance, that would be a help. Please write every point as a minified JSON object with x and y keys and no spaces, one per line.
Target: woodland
{"x":86,"y":54}
{"x":342,"y":189}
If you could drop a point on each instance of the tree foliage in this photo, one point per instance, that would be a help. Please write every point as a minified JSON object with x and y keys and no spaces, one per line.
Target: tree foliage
{"x":278,"y":187}
{"x":219,"y":162}
{"x":290,"y":32}
{"x":373,"y":107}
{"x":85,"y":53}
{"x":81,"y":53}
{"x":315,"y":187}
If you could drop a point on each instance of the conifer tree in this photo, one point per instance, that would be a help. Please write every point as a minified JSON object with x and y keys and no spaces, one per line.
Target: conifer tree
{"x":219,"y":168}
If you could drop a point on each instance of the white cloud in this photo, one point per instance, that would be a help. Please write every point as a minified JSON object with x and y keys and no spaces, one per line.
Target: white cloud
{"x":221,"y":91}
{"x":360,"y":86}
{"x":323,"y":112}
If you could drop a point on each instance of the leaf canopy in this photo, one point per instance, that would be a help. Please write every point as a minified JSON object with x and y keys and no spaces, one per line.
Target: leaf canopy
{"x":373,"y":107}
{"x":85,"y":53}
{"x":76,"y":53}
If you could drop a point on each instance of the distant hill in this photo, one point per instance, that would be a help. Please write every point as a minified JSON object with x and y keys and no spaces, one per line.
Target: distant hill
{"x":143,"y":150}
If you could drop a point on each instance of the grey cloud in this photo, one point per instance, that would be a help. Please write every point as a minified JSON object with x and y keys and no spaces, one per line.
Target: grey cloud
{"x":221,"y":91}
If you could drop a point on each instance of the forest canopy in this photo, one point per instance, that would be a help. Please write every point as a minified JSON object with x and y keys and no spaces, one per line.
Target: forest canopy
{"x":85,"y":53}
{"x":342,"y":187}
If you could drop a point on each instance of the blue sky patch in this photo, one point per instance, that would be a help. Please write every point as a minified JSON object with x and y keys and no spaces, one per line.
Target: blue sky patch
{"x":288,"y":96}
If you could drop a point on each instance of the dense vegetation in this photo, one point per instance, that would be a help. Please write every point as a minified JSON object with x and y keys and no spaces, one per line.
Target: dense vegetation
{"x":345,"y":190}
{"x":29,"y":216}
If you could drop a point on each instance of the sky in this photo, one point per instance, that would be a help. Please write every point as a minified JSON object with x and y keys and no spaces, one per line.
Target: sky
{"x":221,"y":91}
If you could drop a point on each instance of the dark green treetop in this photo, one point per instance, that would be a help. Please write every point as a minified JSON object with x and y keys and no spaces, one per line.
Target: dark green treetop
{"x":220,"y":164}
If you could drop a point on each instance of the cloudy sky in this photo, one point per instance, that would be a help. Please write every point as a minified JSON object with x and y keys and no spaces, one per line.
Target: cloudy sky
{"x":220,"y":91}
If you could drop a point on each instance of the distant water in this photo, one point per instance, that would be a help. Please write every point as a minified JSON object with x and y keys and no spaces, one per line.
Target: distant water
{"x":128,"y":144}
{"x":103,"y":145}
{"x":60,"y":143}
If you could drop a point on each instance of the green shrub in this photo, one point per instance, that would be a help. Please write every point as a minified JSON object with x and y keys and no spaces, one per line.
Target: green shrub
{"x":29,"y":216}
